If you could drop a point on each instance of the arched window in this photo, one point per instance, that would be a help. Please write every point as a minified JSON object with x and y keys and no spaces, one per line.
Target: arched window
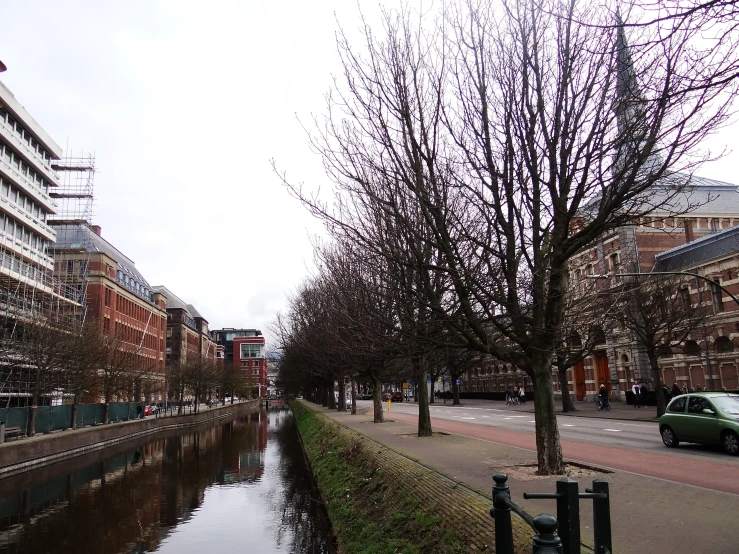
{"x":723,"y":344}
{"x":691,"y":348}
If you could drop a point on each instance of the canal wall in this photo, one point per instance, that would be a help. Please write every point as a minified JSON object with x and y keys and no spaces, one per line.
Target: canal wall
{"x":381,"y":501}
{"x":24,"y":454}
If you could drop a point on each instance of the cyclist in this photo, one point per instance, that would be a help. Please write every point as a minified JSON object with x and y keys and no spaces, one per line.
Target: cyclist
{"x":602,"y":397}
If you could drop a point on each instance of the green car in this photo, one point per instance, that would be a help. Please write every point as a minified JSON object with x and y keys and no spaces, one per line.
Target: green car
{"x":702,"y":417}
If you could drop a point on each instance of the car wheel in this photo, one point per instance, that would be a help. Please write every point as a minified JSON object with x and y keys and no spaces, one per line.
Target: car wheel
{"x":730,"y":441}
{"x":669,"y":437}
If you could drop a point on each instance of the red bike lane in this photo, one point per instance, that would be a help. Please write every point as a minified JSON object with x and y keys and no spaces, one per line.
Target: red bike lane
{"x":712,"y":475}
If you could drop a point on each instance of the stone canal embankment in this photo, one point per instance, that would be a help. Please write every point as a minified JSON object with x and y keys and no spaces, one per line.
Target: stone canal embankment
{"x":381,"y":501}
{"x":29,"y":453}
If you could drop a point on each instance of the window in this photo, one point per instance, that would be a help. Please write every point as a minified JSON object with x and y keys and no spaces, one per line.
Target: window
{"x":169,"y":333}
{"x":678,"y":405}
{"x":614,"y":262}
{"x":718,"y":298}
{"x":169,"y":352}
{"x":244,"y":363}
{"x":106,"y":325}
{"x":714,"y":225}
{"x":107,"y":296}
{"x":83,"y":267}
{"x":70,"y":267}
{"x":255,"y":363}
{"x":685,"y":296}
{"x":251,"y":351}
{"x":696,"y":405}
{"x":255,"y":371}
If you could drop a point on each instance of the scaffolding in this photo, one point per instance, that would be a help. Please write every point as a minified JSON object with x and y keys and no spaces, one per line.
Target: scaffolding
{"x":35,"y":281}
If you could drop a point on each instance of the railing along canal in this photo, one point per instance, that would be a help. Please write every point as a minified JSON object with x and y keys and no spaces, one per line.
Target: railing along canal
{"x":553,"y":535}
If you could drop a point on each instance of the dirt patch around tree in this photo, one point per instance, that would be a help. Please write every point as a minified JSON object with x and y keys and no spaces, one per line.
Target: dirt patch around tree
{"x":527,"y":472}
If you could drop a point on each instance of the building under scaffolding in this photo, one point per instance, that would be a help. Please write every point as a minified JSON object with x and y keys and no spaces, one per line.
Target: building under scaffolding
{"x":37,"y":189}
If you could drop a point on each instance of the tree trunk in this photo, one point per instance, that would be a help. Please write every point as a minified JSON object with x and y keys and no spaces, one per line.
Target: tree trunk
{"x":331,"y":397}
{"x":658,"y":392}
{"x":377,"y":400}
{"x":106,"y":411}
{"x":75,"y":406}
{"x":32,"y":411}
{"x":424,"y":415}
{"x":342,"y":394}
{"x":548,"y":448}
{"x":567,"y":405}
{"x":431,"y":393}
{"x":455,"y":390}
{"x":354,"y":396}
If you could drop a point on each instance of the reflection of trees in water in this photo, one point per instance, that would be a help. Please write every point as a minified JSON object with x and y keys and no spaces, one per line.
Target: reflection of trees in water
{"x":131,"y":502}
{"x":298,"y":506}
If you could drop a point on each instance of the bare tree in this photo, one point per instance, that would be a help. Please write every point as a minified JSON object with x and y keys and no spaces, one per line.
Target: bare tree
{"x":41,"y":345}
{"x":118,"y":363}
{"x":660,"y":314}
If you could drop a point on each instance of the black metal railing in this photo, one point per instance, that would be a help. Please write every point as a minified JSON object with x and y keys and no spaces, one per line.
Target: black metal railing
{"x":553,"y":535}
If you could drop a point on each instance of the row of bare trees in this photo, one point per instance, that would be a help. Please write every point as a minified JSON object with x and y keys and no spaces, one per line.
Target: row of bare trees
{"x":473,"y":151}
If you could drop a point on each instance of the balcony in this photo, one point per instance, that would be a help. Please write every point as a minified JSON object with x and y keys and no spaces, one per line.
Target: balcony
{"x":31,"y":156}
{"x":29,"y":187}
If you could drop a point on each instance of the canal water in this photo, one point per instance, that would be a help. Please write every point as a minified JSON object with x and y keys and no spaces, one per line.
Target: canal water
{"x":241,"y":486}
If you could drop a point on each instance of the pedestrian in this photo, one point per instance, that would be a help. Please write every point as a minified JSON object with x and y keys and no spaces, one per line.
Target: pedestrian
{"x":637,"y":394}
{"x":138,"y":411}
{"x":698,"y":388}
{"x":666,"y":392}
{"x":643,"y":393}
{"x":675,"y":390}
{"x":685,"y":389}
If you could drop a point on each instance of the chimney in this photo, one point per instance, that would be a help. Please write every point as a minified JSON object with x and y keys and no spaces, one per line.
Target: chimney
{"x":689,"y":237}
{"x":96,"y":229}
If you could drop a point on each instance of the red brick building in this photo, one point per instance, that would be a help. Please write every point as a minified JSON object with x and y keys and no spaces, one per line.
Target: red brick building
{"x":116,"y":295}
{"x":245,"y":348}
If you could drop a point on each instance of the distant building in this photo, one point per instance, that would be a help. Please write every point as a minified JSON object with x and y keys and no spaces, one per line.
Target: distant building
{"x":118,"y":296}
{"x":187,"y":331}
{"x":245,"y":349}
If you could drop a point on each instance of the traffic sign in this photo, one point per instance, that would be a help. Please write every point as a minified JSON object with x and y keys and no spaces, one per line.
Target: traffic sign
{"x":428,"y":379}
{"x":458,"y":382}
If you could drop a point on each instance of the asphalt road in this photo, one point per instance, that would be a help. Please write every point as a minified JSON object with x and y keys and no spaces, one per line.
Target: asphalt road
{"x":633,"y":446}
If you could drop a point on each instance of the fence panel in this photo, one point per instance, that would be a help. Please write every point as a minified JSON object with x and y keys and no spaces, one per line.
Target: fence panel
{"x":90,"y":414}
{"x":14,"y":417}
{"x":61,"y":417}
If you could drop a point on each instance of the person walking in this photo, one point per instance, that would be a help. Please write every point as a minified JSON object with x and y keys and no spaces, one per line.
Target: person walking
{"x":602,"y":397}
{"x":637,"y":393}
{"x":643,"y":393}
{"x":676,"y":390}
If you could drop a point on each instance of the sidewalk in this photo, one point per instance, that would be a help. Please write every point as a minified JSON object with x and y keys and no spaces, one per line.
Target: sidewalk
{"x":648,"y":514}
{"x":618,"y":410}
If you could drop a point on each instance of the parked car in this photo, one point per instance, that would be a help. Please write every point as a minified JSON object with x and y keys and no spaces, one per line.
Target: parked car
{"x":704,"y":418}
{"x":397,"y":396}
{"x":386,"y":396}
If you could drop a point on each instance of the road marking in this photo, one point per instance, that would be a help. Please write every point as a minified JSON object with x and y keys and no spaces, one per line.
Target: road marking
{"x":486,"y":416}
{"x":532,"y":421}
{"x":466,"y":418}
{"x":614,"y":430}
{"x":567,"y":425}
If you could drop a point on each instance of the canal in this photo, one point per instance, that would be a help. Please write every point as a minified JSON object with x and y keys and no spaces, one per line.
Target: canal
{"x":241,"y":486}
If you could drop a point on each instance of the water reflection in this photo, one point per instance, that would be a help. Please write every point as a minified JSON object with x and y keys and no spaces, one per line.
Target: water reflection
{"x":242,"y":485}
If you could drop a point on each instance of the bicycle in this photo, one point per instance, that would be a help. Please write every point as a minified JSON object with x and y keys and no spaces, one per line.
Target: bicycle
{"x":601,"y":405}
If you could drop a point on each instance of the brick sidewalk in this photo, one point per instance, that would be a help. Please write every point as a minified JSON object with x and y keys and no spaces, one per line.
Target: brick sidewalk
{"x":648,"y":514}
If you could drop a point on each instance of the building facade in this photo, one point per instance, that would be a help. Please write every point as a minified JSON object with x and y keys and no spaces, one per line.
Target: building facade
{"x":117,"y":297}
{"x":27,"y":182}
{"x":187,"y":331}
{"x":245,"y":349}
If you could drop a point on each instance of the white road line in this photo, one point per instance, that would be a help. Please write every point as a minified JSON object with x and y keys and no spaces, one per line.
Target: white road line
{"x":567,"y":425}
{"x":614,"y":430}
{"x":532,"y":421}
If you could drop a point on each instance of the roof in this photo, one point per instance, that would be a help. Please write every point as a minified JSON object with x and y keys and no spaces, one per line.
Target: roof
{"x":80,"y":236}
{"x":706,"y":248}
{"x":176,"y":303}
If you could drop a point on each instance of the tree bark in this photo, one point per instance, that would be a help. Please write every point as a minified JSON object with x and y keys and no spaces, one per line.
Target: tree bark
{"x":424,"y":414}
{"x":567,"y":404}
{"x":331,"y":398}
{"x":354,"y":396}
{"x":75,"y":407}
{"x":377,"y":400}
{"x":106,"y":411}
{"x":549,"y":451}
{"x":658,"y":392}
{"x":32,"y":411}
{"x":342,"y":394}
{"x":455,"y":391}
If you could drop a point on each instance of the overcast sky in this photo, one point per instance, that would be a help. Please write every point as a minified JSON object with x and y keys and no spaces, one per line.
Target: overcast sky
{"x":184,"y":104}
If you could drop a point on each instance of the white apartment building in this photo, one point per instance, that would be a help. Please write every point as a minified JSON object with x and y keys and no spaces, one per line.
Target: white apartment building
{"x":27,"y":155}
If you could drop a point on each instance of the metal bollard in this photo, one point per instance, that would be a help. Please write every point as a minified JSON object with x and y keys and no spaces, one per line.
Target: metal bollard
{"x":602,"y":518}
{"x":568,"y":515}
{"x":546,"y":540}
{"x":501,"y":513}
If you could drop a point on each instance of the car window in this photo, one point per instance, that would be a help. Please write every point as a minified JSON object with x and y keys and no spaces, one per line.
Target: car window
{"x":678,"y":405}
{"x":696,"y":404}
{"x":728,"y":404}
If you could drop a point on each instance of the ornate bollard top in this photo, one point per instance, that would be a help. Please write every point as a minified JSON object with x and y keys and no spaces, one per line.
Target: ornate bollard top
{"x":545,"y":525}
{"x":500,"y":479}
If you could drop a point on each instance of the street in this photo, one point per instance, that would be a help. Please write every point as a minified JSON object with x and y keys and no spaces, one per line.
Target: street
{"x":633,"y":446}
